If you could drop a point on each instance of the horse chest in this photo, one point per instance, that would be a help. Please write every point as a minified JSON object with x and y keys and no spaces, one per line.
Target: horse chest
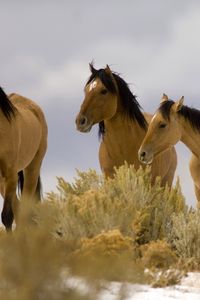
{"x":120,"y":150}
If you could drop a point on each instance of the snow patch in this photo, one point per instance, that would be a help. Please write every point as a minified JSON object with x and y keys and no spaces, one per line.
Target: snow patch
{"x":188,"y":289}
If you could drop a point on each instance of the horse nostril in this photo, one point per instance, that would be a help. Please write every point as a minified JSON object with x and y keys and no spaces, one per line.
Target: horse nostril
{"x":143,"y":154}
{"x":83,"y":121}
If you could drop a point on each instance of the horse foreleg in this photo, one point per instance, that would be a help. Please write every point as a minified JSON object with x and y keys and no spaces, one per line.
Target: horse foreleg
{"x":195,"y":173}
{"x":32,"y":183}
{"x":10,"y":204}
{"x":106,"y":162}
{"x":197,"y":194}
{"x":169,"y":177}
{"x":2,"y":188}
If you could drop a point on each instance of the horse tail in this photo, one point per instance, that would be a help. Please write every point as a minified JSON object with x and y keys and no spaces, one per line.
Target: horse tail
{"x":38,"y":191}
{"x":20,"y":184}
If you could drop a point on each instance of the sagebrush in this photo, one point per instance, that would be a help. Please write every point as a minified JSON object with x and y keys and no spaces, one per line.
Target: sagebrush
{"x":92,"y":224}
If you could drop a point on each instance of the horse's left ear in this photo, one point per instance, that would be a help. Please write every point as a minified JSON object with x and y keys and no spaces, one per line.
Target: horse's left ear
{"x":108,"y":70}
{"x":92,"y":69}
{"x":178,"y":104}
{"x":164,"y":98}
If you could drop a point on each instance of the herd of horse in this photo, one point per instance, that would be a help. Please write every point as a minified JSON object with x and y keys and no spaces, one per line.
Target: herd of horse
{"x":127,"y":134}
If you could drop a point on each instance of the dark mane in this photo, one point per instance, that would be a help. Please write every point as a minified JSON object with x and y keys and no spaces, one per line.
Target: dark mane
{"x":192,"y":115}
{"x":165,"y":108}
{"x":6,"y":106}
{"x":132,"y":108}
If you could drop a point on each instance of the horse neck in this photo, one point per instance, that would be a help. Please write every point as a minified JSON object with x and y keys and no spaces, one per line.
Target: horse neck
{"x":189,"y":136}
{"x":123,"y":132}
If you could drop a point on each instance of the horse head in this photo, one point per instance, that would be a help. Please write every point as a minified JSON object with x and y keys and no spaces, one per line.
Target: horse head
{"x":100,"y":101}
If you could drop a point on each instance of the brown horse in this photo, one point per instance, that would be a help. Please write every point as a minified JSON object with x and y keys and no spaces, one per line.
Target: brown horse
{"x":109,"y":102}
{"x":171,"y":123}
{"x":23,"y":136}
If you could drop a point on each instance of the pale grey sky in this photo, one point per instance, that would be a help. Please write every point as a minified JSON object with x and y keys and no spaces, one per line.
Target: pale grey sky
{"x":46,"y":46}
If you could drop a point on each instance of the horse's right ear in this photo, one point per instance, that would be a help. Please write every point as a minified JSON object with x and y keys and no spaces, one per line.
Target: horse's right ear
{"x":108,"y":70}
{"x":178,"y":104}
{"x":92,"y":69}
{"x":164,"y":98}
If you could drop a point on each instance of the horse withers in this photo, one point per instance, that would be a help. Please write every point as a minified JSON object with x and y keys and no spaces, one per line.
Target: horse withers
{"x":110,"y":103}
{"x":171,"y":123}
{"x":23,"y":137}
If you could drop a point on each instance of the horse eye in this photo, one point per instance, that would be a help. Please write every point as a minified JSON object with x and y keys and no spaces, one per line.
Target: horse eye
{"x":162,"y":125}
{"x":104,"y":91}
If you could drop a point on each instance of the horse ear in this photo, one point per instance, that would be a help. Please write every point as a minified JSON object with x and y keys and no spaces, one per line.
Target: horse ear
{"x":108,"y":70}
{"x":92,"y":69}
{"x":164,"y":98}
{"x":178,"y":104}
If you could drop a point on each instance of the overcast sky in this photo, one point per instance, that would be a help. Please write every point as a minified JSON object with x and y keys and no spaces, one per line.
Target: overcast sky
{"x":46,"y":46}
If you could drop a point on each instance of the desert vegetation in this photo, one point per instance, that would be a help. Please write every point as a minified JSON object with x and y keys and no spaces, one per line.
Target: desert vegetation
{"x":120,"y":229}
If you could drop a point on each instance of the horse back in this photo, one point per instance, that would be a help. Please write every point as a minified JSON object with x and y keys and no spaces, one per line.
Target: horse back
{"x":25,"y":104}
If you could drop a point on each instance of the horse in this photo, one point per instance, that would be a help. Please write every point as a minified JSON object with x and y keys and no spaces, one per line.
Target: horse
{"x":171,"y":123}
{"x":122,"y":125}
{"x":23,"y":136}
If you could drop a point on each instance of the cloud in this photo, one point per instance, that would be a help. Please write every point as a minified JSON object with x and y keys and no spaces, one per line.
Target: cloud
{"x":67,"y":81}
{"x":33,"y":77}
{"x":175,"y":69}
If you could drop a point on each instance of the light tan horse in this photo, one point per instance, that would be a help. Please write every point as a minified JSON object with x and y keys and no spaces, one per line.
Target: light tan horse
{"x":23,"y":138}
{"x":109,"y":102}
{"x":171,"y":123}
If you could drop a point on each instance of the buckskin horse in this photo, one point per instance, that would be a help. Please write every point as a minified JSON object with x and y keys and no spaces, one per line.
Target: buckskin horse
{"x":171,"y":123}
{"x":23,"y":137}
{"x":122,"y":125}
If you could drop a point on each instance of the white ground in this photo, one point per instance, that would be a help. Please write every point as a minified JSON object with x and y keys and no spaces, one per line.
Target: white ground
{"x":188,"y":289}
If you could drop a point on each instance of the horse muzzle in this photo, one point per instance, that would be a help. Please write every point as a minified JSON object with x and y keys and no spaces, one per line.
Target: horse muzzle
{"x":146,"y":157}
{"x":83,"y":124}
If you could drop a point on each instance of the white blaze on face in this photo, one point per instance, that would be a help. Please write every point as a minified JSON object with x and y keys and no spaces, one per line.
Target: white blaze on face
{"x":92,"y":85}
{"x":153,"y":117}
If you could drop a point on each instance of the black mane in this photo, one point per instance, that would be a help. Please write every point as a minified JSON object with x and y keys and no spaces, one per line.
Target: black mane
{"x":6,"y":106}
{"x":192,"y":115}
{"x":165,"y":108}
{"x":132,"y":108}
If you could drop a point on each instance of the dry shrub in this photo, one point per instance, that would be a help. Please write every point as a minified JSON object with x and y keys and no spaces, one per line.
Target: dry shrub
{"x":153,"y":220}
{"x":185,"y":236}
{"x":92,"y":209}
{"x":107,"y":244}
{"x":161,"y":264}
{"x":127,"y":202}
{"x":109,"y":255}
{"x":163,"y":278}
{"x":158,"y":254}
